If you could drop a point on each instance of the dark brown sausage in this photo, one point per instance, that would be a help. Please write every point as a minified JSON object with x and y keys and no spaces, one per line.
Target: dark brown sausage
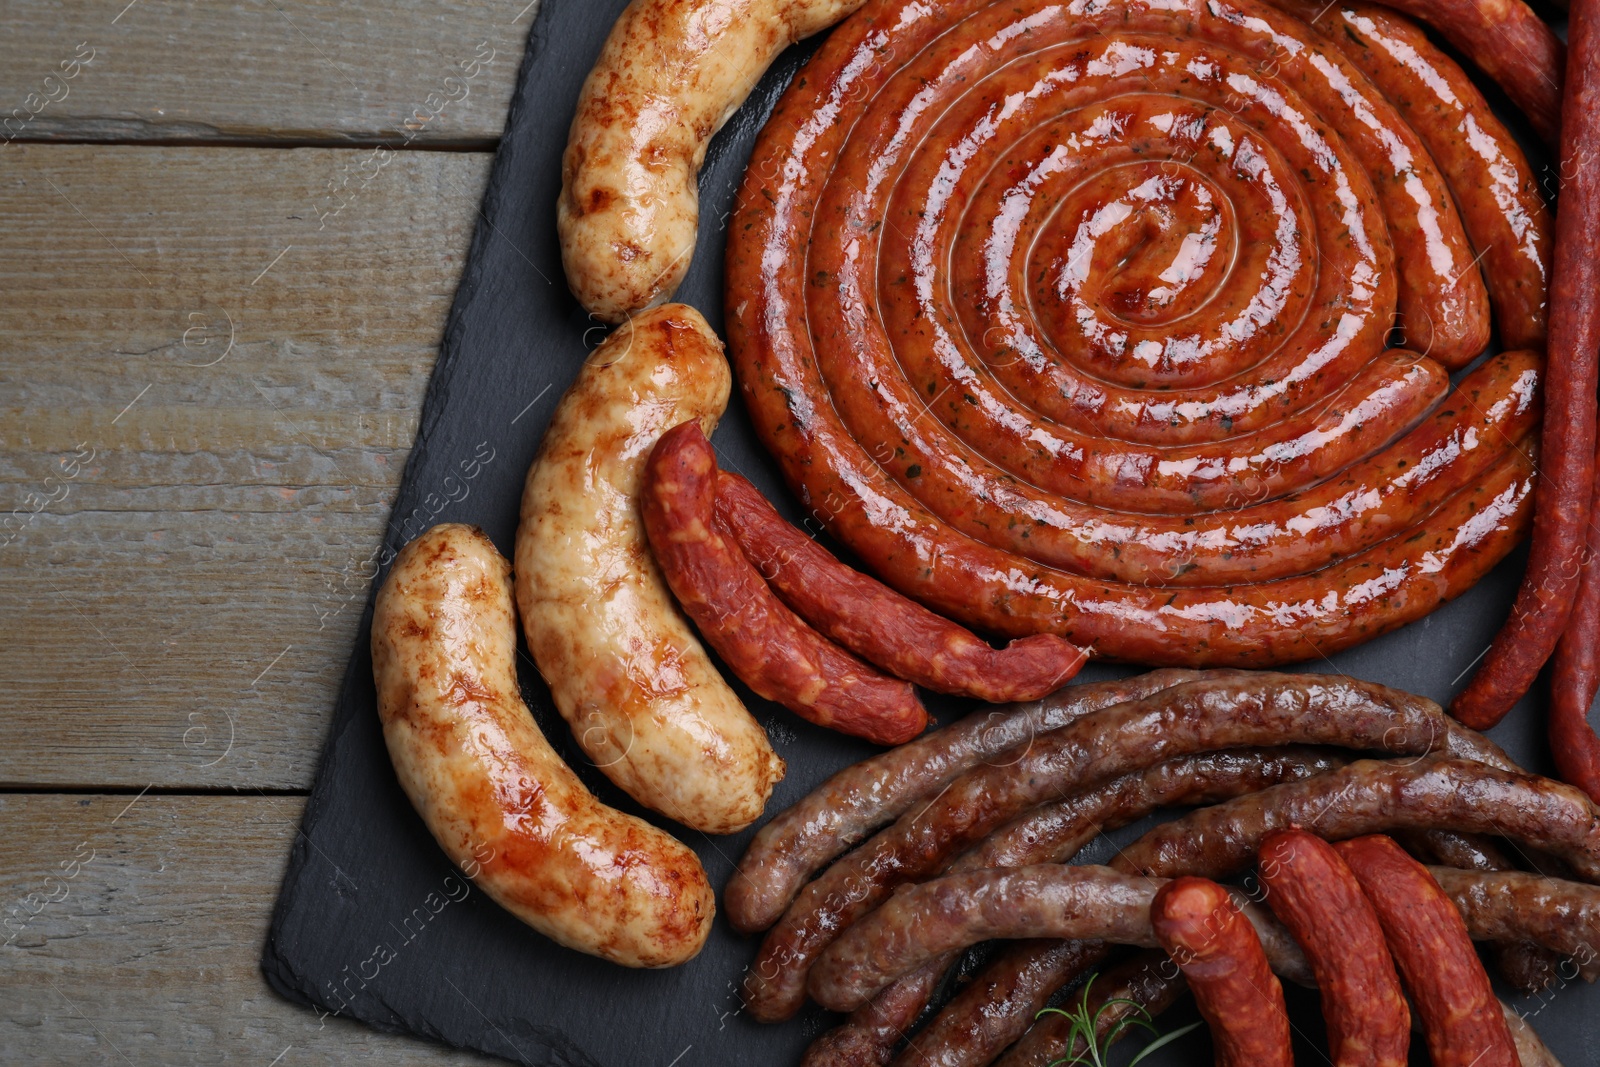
{"x":1516,"y":905}
{"x":1376,"y":796}
{"x":880,"y":625}
{"x":1147,"y":980}
{"x":1461,"y":1019}
{"x":923,"y":922}
{"x":1527,"y":967}
{"x":1222,"y":712}
{"x":1213,"y":944}
{"x":979,"y":1022}
{"x":1309,"y":887}
{"x":801,"y":840}
{"x":1054,"y":833}
{"x":1574,"y":676}
{"x":764,"y":643}
{"x":873,"y":1031}
{"x":1566,"y":474}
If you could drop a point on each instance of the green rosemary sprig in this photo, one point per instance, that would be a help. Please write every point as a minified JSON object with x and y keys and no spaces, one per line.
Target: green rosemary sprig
{"x":1085,"y":1025}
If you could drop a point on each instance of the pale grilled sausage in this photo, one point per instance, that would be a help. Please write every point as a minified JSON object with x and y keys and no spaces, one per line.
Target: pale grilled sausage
{"x":625,"y":669}
{"x":486,"y":782}
{"x":670,"y":74}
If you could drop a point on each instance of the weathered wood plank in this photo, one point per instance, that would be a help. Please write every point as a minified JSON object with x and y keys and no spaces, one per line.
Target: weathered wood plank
{"x":183,"y":524}
{"x":131,"y":934}
{"x":437,"y":72}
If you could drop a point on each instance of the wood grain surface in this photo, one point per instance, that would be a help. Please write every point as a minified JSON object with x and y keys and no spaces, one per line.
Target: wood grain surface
{"x":435,"y":72}
{"x":132,"y":926}
{"x":213,"y":349}
{"x":179,"y":609}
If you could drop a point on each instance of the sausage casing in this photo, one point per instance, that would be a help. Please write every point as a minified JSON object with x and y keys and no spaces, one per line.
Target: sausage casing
{"x":670,"y":74}
{"x":484,"y":779}
{"x":625,"y":669}
{"x":1309,"y":887}
{"x":1201,"y":927}
{"x":1461,"y":1019}
{"x":880,"y":625}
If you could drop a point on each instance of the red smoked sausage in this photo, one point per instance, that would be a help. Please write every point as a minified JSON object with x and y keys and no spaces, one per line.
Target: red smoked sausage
{"x":880,"y":625}
{"x":764,"y":643}
{"x":1216,"y":948}
{"x":1566,"y":474}
{"x":1461,"y":1018}
{"x":1309,"y":887}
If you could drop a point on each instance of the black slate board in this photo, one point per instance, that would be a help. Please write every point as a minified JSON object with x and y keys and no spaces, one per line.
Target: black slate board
{"x":373,"y":923}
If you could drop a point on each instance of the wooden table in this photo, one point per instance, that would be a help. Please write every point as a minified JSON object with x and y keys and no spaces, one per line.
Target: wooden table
{"x":229,"y":235}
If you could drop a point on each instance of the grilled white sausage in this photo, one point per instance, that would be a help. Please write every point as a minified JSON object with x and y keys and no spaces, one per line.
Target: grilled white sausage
{"x":626,"y":670}
{"x":493,"y":792}
{"x":669,"y":76}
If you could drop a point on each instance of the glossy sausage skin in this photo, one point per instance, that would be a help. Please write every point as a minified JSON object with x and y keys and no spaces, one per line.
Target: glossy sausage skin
{"x":976,"y":1026}
{"x":1566,"y":477}
{"x":1509,"y":42}
{"x":486,"y":782}
{"x":924,"y":922}
{"x":1461,"y":1019}
{"x":798,"y":842}
{"x":1505,"y":216}
{"x":1201,"y":927}
{"x":1223,"y":712}
{"x":880,"y":625}
{"x":887,"y":403}
{"x":1309,"y":887}
{"x":624,"y":668}
{"x":1376,"y":796}
{"x":771,"y":649}
{"x":1516,"y":905}
{"x":1053,"y":833}
{"x":670,"y":74}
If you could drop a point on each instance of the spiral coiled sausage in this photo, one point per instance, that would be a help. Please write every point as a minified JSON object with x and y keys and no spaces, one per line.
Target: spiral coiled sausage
{"x":1071,"y":317}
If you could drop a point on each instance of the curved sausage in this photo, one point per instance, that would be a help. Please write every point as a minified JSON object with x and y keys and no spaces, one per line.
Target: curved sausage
{"x":624,"y":668}
{"x":923,"y":922}
{"x":1566,"y":478}
{"x":800,"y":841}
{"x":914,"y":523}
{"x":870,"y":1035}
{"x":1201,"y":927}
{"x":1309,"y":887}
{"x":970,"y":1029}
{"x":484,"y":780}
{"x":1195,"y":717}
{"x":880,"y":625}
{"x":1526,"y":966}
{"x":976,"y":1025}
{"x":1052,"y":833}
{"x":1496,"y":190}
{"x":670,"y":74}
{"x":771,"y":650}
{"x":1376,"y":796}
{"x":1509,"y":42}
{"x":1461,"y":1018}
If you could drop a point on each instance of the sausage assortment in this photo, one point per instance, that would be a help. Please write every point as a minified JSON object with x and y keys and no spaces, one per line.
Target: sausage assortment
{"x":1072,"y":318}
{"x":1120,"y":329}
{"x":984,"y":851}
